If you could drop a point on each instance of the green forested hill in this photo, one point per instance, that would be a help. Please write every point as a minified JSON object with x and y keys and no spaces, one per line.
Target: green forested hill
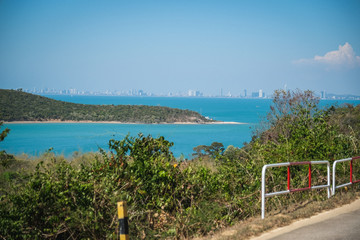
{"x":20,"y":106}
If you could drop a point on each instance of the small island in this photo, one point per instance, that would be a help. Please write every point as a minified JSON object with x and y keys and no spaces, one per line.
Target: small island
{"x":18,"y":106}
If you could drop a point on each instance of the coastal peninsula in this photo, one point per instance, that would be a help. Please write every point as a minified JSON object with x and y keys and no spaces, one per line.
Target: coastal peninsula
{"x":18,"y":106}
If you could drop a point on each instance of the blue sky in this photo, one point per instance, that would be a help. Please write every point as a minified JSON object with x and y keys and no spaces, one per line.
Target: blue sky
{"x":174,"y":46}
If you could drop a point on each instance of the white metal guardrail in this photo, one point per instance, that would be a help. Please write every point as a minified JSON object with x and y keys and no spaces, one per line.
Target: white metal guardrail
{"x":289,"y":190}
{"x":334,"y":187}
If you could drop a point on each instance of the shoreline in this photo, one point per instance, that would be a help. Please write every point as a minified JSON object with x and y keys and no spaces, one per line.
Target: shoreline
{"x":117,"y":122}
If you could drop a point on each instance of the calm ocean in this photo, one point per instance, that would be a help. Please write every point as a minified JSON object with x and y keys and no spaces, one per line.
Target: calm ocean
{"x":66,"y":138}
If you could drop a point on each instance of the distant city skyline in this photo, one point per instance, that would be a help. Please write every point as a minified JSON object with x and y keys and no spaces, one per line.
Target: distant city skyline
{"x":164,"y":47}
{"x":260,"y":94}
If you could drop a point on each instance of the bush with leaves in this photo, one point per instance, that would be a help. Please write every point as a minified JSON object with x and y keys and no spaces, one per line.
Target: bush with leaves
{"x":5,"y":158}
{"x":63,"y":201}
{"x":299,"y":130}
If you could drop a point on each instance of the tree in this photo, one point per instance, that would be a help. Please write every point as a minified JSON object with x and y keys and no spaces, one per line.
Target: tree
{"x":213,"y":150}
{"x":5,"y":159}
{"x":297,"y":129}
{"x":4,"y":133}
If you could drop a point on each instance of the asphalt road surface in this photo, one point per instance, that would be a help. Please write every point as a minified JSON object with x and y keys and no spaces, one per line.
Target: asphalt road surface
{"x":342,"y":223}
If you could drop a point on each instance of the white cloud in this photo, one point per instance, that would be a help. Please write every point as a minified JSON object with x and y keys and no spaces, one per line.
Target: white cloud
{"x":344,"y":57}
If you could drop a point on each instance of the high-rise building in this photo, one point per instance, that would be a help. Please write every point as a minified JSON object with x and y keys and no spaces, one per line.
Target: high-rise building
{"x":260,"y":93}
{"x":193,"y":93}
{"x":72,"y":91}
{"x":323,"y":94}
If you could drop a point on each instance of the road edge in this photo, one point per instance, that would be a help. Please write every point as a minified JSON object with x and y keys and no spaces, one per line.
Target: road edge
{"x":308,"y":221}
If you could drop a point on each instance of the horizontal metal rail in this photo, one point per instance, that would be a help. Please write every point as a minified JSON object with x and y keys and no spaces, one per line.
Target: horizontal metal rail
{"x":334,"y":187}
{"x":289,"y":190}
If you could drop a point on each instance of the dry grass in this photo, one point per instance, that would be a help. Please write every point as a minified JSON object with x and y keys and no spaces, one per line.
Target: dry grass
{"x":26,"y":163}
{"x":205,"y":162}
{"x":256,"y":226}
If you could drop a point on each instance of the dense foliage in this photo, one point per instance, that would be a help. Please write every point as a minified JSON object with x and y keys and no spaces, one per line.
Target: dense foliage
{"x":347,"y":118}
{"x":21,"y":106}
{"x":5,"y":158}
{"x":298,"y":129}
{"x":168,"y":198}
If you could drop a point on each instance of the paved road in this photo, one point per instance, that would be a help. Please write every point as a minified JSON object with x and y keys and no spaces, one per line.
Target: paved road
{"x":344,"y":226}
{"x":341,"y":223}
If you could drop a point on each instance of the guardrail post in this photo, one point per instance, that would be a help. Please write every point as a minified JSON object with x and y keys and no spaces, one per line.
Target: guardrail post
{"x":289,"y":190}
{"x":309,"y":175}
{"x":351,"y":171}
{"x":334,"y":187}
{"x":263,"y":192}
{"x":123,"y":221}
{"x":328,"y":180}
{"x":288,"y":177}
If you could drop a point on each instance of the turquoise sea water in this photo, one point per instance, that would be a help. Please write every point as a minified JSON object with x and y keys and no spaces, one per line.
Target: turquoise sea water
{"x":66,"y":138}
